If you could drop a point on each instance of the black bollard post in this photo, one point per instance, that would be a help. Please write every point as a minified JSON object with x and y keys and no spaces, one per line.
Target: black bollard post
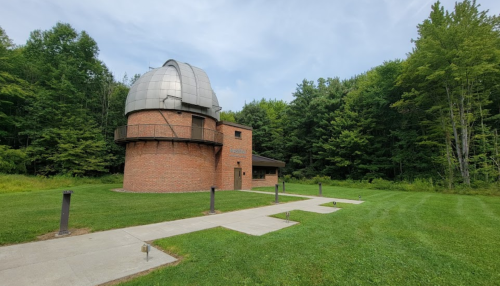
{"x":63,"y":229}
{"x":320,"y":190}
{"x":283,"y":186}
{"x":276,"y":194}
{"x":212,"y":200}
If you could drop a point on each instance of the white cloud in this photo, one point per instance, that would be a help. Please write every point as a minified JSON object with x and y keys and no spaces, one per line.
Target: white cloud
{"x":250,"y":49}
{"x":228,"y":98}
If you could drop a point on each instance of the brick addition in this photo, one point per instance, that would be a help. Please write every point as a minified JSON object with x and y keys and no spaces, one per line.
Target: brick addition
{"x":234,"y":150}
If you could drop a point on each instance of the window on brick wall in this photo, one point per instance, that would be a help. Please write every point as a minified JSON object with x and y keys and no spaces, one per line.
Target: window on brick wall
{"x":270,"y":171}
{"x":258,"y":174}
{"x":237,"y":134}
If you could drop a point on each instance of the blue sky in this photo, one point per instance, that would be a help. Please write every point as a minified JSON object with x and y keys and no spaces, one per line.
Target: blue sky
{"x":249,"y":49}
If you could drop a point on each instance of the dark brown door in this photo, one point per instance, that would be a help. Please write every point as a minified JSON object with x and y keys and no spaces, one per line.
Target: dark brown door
{"x":237,"y":178}
{"x":197,"y":128}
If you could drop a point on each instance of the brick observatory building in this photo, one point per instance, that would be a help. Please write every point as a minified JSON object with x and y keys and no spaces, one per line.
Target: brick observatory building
{"x":175,"y":141}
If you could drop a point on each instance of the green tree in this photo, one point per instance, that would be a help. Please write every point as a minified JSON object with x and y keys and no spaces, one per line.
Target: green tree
{"x":255,"y":116}
{"x":228,"y":116}
{"x":12,"y":160}
{"x":361,"y":142}
{"x":299,"y":124}
{"x":71,"y":107}
{"x":272,"y":146}
{"x":307,"y":123}
{"x":14,"y":91}
{"x":453,"y":68}
{"x":114,"y":117}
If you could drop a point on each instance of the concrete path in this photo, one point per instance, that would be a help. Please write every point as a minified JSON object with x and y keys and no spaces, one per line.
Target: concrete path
{"x":100,"y":257}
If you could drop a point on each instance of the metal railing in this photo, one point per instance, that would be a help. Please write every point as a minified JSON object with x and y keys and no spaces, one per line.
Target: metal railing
{"x":165,"y":132}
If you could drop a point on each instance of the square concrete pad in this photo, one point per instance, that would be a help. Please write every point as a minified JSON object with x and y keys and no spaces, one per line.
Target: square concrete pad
{"x":259,"y":226}
{"x":116,"y":263}
{"x":80,"y":260}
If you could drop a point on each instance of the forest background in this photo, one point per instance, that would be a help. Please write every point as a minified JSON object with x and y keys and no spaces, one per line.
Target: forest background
{"x":433,"y":117}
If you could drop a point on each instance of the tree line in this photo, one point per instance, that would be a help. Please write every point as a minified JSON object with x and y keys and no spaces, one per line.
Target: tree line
{"x":59,"y":106}
{"x":433,"y":115}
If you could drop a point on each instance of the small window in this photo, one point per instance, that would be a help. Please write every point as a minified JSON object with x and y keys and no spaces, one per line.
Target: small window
{"x":270,"y":171}
{"x":259,"y":174}
{"x":237,"y":134}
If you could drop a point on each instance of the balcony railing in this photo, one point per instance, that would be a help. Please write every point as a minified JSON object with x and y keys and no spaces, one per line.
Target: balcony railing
{"x":165,"y":132}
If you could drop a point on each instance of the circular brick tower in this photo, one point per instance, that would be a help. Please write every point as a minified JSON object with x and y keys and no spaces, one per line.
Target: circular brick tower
{"x":171,"y":136}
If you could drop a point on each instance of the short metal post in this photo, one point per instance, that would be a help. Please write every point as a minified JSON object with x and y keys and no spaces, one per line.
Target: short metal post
{"x":320,"y":190}
{"x":276,"y":194}
{"x":283,"y":186}
{"x":147,"y":252}
{"x":63,"y":229}
{"x":146,"y":248}
{"x":212,"y":200}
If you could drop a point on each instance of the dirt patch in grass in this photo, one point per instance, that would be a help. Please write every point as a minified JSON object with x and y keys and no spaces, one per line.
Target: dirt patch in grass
{"x":73,"y":232}
{"x":208,"y":212}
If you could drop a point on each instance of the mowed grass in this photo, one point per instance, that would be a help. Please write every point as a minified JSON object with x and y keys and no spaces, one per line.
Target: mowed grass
{"x":393,"y":238}
{"x":23,"y":183}
{"x":26,"y":215}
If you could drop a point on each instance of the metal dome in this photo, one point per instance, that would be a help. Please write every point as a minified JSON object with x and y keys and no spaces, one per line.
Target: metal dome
{"x":177,"y":86}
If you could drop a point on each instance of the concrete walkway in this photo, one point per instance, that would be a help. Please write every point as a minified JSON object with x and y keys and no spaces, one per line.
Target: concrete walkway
{"x":105,"y":256}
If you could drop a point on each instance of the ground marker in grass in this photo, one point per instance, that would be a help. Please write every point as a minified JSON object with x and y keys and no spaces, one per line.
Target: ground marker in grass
{"x":146,"y":248}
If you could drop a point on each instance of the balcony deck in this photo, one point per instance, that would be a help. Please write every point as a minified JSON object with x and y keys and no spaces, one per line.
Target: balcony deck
{"x":165,"y":132}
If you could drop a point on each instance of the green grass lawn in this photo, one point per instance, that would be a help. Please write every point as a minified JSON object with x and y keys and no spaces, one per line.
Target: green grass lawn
{"x":22,"y":183}
{"x":393,"y":238}
{"x":26,"y":215}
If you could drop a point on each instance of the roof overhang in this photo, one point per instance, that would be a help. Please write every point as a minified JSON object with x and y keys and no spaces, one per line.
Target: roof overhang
{"x":224,"y":122}
{"x":260,"y":161}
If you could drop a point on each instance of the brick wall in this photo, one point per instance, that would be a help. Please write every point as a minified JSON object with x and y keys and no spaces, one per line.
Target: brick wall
{"x":167,"y":166}
{"x":270,"y":181}
{"x":235,"y":150}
